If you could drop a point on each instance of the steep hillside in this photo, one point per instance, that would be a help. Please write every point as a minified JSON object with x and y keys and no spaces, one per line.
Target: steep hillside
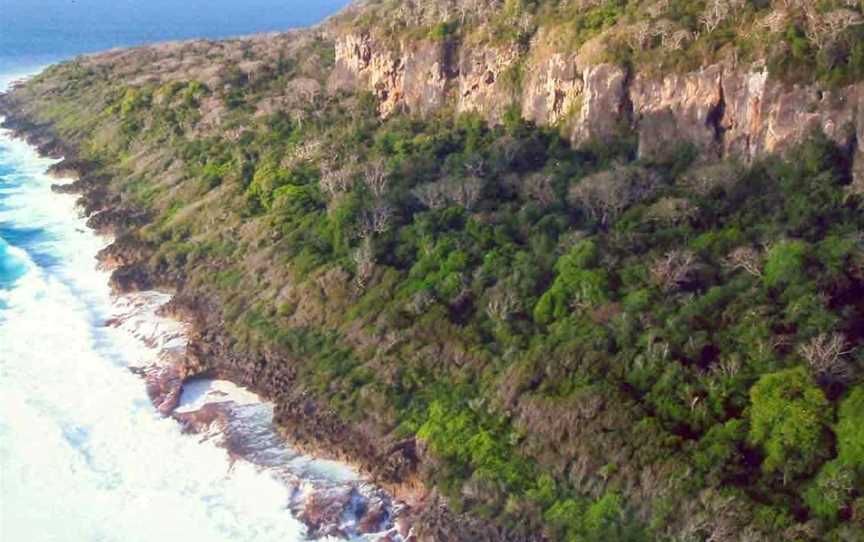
{"x":545,"y":279}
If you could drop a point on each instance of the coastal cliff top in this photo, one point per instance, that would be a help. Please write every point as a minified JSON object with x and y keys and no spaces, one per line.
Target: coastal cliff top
{"x":799,"y":40}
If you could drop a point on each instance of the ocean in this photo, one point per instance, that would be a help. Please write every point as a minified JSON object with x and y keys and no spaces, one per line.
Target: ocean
{"x":84,"y":456}
{"x":34,"y":33}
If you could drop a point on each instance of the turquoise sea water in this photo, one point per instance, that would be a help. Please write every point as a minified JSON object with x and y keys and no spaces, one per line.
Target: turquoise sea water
{"x":10,"y":266}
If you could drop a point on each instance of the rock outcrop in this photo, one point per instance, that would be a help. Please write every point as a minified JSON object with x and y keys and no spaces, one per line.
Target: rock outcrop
{"x":686,"y":107}
{"x":553,"y":90}
{"x":606,"y":107}
{"x":763,"y":116}
{"x":360,"y":63}
{"x":488,"y":80}
{"x":724,"y":110}
{"x":429,"y":72}
{"x":587,"y":103}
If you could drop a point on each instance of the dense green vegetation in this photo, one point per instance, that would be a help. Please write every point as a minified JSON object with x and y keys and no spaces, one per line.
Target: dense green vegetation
{"x":585,"y":343}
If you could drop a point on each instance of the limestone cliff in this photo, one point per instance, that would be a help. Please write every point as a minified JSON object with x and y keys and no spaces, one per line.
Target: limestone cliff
{"x":725,"y":109}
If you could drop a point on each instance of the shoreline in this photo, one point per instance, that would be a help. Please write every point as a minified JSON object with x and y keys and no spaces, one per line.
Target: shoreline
{"x":399,"y":467}
{"x":145,"y":315}
{"x":323,"y":491}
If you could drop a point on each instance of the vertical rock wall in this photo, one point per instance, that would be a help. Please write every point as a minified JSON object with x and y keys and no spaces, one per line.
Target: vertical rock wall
{"x":724,"y":110}
{"x":676,"y":108}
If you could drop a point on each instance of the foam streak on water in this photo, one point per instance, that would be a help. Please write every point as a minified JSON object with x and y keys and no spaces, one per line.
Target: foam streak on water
{"x":83,"y":454}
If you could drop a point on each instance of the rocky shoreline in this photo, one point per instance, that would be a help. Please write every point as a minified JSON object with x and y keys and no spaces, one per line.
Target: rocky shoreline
{"x":173,"y":329}
{"x":330,"y":499}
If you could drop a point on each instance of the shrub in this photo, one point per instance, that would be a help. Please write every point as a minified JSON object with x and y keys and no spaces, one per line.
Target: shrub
{"x":850,"y":430}
{"x":474,"y":441}
{"x":601,"y":521}
{"x":135,"y":99}
{"x":830,"y":491}
{"x":789,"y":418}
{"x":269,"y":178}
{"x":704,"y":180}
{"x":720,"y":446}
{"x":576,"y":284}
{"x":785,"y":264}
{"x":442,"y":31}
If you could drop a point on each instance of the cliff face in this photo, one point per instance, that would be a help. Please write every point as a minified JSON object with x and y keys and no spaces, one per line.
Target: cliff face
{"x":725,"y":110}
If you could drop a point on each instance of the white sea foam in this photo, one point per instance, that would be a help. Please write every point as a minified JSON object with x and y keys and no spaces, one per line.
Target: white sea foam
{"x":83,"y":455}
{"x":20,"y":74}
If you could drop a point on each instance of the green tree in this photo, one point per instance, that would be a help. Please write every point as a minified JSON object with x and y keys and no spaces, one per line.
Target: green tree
{"x":830,"y":491}
{"x":268,"y":177}
{"x":719,"y":448}
{"x":785,"y":264}
{"x":789,"y":419}
{"x":576,"y":284}
{"x":584,"y":521}
{"x":850,"y":430}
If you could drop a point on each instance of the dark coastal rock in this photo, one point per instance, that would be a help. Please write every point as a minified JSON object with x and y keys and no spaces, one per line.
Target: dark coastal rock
{"x":308,"y":423}
{"x":373,"y":519}
{"x":116,"y":219}
{"x":39,"y":136}
{"x":400,"y":461}
{"x":199,"y":421}
{"x":327,"y":507}
{"x":79,"y":186}
{"x":189,"y":308}
{"x":301,"y":418}
{"x":97,"y":200}
{"x":323,"y":511}
{"x":70,"y":168}
{"x":125,"y":251}
{"x":131,"y":278}
{"x":404,"y":527}
{"x":75,"y":187}
{"x":164,"y":387}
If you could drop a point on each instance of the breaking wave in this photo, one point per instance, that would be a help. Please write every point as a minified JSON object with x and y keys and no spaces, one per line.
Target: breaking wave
{"x":84,"y":455}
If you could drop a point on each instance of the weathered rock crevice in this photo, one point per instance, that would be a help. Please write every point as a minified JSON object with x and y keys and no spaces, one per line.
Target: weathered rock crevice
{"x":716,"y":115}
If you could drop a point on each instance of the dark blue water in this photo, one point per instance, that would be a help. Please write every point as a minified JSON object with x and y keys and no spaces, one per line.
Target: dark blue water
{"x":37,"y":32}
